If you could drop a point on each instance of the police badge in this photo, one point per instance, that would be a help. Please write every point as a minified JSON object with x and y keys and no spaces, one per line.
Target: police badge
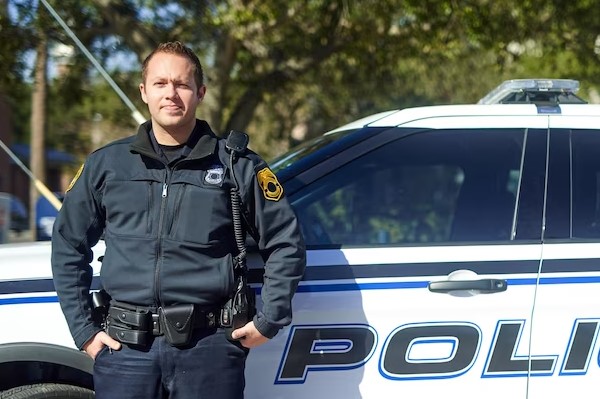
{"x":214,"y":175}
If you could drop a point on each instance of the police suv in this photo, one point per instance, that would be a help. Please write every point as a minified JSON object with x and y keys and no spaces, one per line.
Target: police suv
{"x":453,"y":251}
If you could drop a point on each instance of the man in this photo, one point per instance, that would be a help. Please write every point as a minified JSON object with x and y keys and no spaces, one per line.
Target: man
{"x":162,"y":200}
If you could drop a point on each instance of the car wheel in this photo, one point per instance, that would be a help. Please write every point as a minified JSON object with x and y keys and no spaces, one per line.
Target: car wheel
{"x":47,"y":391}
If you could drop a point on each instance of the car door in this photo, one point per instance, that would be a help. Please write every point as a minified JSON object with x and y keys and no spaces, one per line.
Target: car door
{"x":567,"y":316}
{"x":421,"y":271}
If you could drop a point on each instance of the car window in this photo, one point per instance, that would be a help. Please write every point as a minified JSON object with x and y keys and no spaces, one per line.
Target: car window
{"x":297,"y":153}
{"x":532,"y":186}
{"x":558,"y":201}
{"x":586,"y":183}
{"x":429,"y":187}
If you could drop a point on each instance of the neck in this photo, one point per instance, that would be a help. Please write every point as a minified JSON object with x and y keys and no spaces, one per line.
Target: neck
{"x":173,"y":135}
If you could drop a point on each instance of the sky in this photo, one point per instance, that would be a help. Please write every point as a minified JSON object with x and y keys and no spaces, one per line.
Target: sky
{"x":60,"y":52}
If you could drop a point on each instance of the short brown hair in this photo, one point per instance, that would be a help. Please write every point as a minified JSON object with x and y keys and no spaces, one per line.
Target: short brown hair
{"x":177,"y":48}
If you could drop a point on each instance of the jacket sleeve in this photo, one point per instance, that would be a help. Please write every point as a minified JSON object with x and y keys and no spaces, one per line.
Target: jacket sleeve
{"x":281,"y":246}
{"x":76,"y":230}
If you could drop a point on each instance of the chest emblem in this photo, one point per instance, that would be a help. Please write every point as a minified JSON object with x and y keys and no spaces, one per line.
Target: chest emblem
{"x":214,"y":175}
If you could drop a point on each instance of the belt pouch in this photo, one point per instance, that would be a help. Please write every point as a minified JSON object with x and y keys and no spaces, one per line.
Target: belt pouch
{"x":127,"y":335}
{"x":136,"y":319}
{"x":177,"y":323}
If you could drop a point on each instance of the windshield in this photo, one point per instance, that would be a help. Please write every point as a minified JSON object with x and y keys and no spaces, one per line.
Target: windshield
{"x":304,"y":149}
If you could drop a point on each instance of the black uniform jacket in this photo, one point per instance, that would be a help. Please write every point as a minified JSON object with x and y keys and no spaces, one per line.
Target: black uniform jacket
{"x":169,"y":233}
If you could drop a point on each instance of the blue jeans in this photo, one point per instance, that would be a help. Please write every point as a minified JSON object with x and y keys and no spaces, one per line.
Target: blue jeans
{"x":210,"y":367}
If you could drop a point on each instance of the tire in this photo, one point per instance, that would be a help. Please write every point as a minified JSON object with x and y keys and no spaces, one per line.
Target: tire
{"x":47,"y":391}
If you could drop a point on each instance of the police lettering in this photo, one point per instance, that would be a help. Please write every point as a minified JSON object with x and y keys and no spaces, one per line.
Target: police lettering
{"x":400,"y":358}
{"x":338,"y":347}
{"x":503,"y":362}
{"x":429,"y":351}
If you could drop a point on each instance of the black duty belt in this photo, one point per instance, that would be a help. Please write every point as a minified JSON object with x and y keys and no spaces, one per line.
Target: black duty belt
{"x":134,"y":324}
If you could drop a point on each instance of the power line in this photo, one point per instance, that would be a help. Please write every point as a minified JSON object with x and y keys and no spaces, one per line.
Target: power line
{"x":139,"y":118}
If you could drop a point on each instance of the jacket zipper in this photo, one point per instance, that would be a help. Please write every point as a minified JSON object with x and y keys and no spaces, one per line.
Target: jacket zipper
{"x":161,"y":221}
{"x":161,"y":227}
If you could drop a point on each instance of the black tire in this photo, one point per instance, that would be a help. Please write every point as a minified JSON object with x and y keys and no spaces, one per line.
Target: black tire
{"x":47,"y":391}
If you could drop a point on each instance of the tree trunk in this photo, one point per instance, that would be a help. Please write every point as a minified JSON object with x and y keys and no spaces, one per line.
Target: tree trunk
{"x":38,"y":123}
{"x":244,"y":109}
{"x":3,"y":9}
{"x":216,"y":95}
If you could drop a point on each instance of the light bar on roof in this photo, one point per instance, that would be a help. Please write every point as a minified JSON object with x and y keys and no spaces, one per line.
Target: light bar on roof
{"x":509,"y":87}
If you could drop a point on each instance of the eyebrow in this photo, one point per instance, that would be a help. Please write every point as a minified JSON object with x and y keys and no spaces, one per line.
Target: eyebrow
{"x":164,"y":78}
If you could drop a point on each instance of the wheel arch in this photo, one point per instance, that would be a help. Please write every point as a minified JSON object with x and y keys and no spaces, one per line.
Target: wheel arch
{"x":25,"y":363}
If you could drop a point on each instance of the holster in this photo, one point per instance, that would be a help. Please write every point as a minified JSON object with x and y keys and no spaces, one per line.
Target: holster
{"x":100,"y":303}
{"x":239,"y":309}
{"x":178,"y":323}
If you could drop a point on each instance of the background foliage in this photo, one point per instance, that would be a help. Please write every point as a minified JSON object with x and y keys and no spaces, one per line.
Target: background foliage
{"x":286,"y":70}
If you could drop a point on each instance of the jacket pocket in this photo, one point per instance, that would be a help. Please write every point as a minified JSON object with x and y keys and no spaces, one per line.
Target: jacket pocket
{"x":202,"y":214}
{"x":129,"y":205}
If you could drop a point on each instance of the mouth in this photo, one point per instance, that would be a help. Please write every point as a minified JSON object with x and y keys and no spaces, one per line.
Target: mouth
{"x":171,"y":107}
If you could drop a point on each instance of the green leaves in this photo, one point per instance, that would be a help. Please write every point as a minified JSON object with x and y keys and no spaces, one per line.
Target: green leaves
{"x":277,"y":66}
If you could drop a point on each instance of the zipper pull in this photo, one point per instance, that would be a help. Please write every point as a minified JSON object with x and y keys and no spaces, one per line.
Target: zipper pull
{"x":164,"y":192}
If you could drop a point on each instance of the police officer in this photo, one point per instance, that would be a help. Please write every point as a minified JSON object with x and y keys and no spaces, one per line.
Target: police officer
{"x":162,"y":200}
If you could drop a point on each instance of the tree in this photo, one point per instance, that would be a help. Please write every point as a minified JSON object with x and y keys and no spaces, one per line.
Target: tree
{"x":278,"y":66}
{"x":14,"y":38}
{"x":38,"y":115}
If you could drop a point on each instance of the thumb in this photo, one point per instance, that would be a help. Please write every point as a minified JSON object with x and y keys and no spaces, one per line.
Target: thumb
{"x":110,"y":342}
{"x":238,"y":333}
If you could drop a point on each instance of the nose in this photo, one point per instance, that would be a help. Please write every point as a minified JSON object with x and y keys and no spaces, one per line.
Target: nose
{"x":171,"y":90}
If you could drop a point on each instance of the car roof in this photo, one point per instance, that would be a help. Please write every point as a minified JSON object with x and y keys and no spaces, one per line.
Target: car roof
{"x":360,"y":123}
{"x":471,"y":115}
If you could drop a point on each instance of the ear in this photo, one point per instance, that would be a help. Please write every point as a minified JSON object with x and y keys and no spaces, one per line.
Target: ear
{"x":143,"y":93}
{"x":201,"y":93}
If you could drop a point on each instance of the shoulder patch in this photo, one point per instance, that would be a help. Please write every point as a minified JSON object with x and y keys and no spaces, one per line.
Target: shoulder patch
{"x":75,"y":178}
{"x":271,"y":188}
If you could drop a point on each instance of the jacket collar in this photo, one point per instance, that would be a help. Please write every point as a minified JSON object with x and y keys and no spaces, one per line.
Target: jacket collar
{"x":203,"y":141}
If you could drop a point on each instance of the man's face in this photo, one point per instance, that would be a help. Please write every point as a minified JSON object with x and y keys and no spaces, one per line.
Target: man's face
{"x":171,"y":92}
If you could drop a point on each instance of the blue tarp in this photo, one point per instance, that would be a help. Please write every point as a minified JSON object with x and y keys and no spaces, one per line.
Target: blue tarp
{"x":23,"y":151}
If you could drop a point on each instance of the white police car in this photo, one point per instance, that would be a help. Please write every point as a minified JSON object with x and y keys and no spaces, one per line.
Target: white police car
{"x":454,"y":251}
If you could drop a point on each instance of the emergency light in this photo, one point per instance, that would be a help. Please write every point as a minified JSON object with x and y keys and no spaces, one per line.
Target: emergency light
{"x":535,"y":91}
